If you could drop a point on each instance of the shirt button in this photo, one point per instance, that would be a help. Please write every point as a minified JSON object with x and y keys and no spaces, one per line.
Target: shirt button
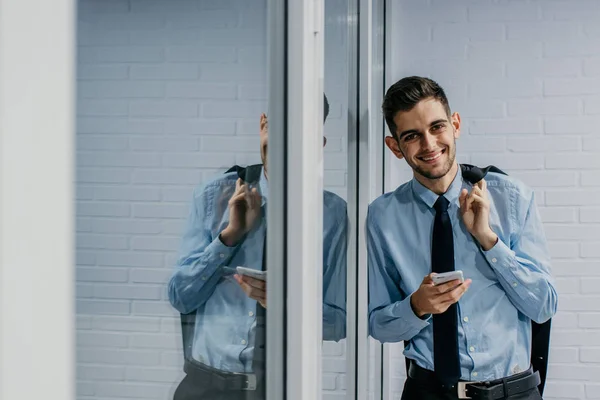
{"x":494,"y":260}
{"x":466,"y":319}
{"x":243,"y":341}
{"x":222,"y":255}
{"x":251,"y":314}
{"x":514,"y":284}
{"x":471,"y":348}
{"x":203,"y":278}
{"x":474,"y":373}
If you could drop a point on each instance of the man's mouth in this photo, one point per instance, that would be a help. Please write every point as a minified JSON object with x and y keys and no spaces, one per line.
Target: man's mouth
{"x":431,"y":157}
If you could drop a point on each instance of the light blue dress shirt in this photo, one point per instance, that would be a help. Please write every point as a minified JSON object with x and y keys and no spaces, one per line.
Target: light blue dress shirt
{"x":511,"y":282}
{"x":225,"y":316}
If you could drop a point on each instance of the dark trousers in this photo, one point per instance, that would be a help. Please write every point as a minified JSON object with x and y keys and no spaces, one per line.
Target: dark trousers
{"x":416,"y":390}
{"x":193,"y":389}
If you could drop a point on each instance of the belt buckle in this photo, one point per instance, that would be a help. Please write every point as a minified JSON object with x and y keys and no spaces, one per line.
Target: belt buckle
{"x":461,"y":388}
{"x":250,"y":383}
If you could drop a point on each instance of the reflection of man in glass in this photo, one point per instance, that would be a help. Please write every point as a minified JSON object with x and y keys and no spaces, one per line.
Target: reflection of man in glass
{"x":226,"y":228}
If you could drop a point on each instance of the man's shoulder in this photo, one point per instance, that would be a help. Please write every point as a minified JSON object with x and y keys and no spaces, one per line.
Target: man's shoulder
{"x":215,"y":186}
{"x":401,"y":195}
{"x":333,"y":201}
{"x":507,"y":184}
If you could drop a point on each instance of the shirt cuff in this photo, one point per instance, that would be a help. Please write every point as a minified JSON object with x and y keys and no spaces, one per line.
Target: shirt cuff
{"x":217,"y":253}
{"x":404,"y":310}
{"x":502,"y":260}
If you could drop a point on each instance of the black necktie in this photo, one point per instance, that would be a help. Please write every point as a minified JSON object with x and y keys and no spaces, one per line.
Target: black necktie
{"x":445,"y":330}
{"x":258,"y":364}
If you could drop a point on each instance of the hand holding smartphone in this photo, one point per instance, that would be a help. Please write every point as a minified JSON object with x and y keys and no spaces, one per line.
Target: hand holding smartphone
{"x":444,"y":277}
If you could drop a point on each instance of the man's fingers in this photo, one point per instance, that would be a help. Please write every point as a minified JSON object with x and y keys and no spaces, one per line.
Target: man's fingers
{"x":455,"y":294}
{"x":445,"y":287}
{"x":427,"y":280}
{"x":255,"y":283}
{"x":251,"y":291}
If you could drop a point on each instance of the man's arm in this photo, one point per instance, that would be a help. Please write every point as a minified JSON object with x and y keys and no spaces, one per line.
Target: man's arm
{"x":202,"y":256}
{"x":391,"y":317}
{"x":334,"y":279}
{"x":523,"y":266}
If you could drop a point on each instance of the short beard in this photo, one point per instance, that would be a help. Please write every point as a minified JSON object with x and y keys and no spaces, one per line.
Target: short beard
{"x":445,"y":170}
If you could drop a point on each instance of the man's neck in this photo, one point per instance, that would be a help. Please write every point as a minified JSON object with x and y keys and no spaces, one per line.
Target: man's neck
{"x":441,"y":185}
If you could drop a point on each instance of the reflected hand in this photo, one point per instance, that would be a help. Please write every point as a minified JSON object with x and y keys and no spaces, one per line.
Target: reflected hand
{"x":254,"y":288}
{"x":244,"y":211}
{"x":432,"y":299}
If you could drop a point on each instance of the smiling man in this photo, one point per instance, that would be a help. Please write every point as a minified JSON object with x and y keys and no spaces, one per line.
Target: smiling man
{"x":439,"y":222}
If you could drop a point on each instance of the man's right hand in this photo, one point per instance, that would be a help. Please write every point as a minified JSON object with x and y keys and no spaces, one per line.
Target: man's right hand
{"x":432,"y":299}
{"x":244,"y":211}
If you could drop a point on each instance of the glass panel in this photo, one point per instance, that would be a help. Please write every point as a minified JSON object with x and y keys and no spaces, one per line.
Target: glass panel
{"x":171,"y":95}
{"x":335,"y":216}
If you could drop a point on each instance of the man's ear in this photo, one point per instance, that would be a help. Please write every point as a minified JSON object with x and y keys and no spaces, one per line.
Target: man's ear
{"x":455,"y":119}
{"x":324,"y":141}
{"x":392,"y":144}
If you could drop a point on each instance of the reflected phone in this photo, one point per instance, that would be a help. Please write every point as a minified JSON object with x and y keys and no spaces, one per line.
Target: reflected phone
{"x":252,"y":273}
{"x":444,"y":277}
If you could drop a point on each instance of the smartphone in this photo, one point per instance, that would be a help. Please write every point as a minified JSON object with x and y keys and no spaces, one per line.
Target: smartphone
{"x":252,"y":273}
{"x":444,"y":277}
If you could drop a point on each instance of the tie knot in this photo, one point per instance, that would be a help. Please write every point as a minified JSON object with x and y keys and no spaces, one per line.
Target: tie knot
{"x":441,"y":204}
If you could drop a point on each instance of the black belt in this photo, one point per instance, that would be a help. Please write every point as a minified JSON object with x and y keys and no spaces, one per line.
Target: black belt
{"x":489,"y":390}
{"x":218,"y":379}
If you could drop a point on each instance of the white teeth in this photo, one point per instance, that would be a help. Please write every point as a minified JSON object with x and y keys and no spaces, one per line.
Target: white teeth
{"x":432,"y":158}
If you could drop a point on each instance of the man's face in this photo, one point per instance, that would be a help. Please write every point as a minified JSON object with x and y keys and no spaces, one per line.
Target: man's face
{"x":264,"y":138}
{"x":426,"y":138}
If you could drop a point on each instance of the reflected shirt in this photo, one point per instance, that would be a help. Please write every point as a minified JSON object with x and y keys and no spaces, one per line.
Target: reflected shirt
{"x":511,"y":283}
{"x":225,"y":316}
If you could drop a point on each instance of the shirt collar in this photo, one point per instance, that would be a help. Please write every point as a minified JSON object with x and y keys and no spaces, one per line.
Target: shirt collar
{"x":452,"y":194}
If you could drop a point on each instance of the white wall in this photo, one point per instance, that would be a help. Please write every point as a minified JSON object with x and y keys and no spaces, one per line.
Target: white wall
{"x":525,"y":76}
{"x":169,"y":94}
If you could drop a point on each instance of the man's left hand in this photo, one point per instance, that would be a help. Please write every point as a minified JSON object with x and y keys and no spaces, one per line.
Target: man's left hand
{"x":475,"y":211}
{"x":254,"y":288}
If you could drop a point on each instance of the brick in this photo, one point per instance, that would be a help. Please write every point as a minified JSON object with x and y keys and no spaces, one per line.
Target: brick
{"x":206,"y":160}
{"x":129,"y":21}
{"x":565,"y":320}
{"x":103,"y":339}
{"x":101,"y":72}
{"x":155,"y":243}
{"x":89,"y":107}
{"x":241,"y":159}
{"x":591,"y":144}
{"x":546,"y":106}
{"x":566,"y":11}
{"x":333,"y":349}
{"x":433,"y":13}
{"x":84,"y":291}
{"x":101,"y":142}
{"x":581,"y":48}
{"x":103,"y":175}
{"x":208,"y":20}
{"x":476,"y":32}
{"x":83,"y":225}
{"x":468,"y":144}
{"x":581,"y":303}
{"x":194,"y":90}
{"x":571,"y":86}
{"x":166,"y":375}
{"x":129,"y":390}
{"x":126,"y":193}
{"x":563,"y":355}
{"x":575,"y":268}
{"x":203,"y":127}
{"x":121,"y":54}
{"x":92,"y":241}
{"x":119,"y":125}
{"x":83,"y":322}
{"x":100,"y":373}
{"x":218,"y":72}
{"x":117,"y":89}
{"x":174,"y":194}
{"x":124,"y":226}
{"x":164,"y":72}
{"x":334,"y":365}
{"x":539,"y":179}
{"x":558,"y":214}
{"x":151,"y":275}
{"x":160,"y":108}
{"x":85,"y":258}
{"x":576,"y":373}
{"x":577,"y":161}
{"x":563,"y":390}
{"x":84,"y":389}
{"x":117,"y":159}
{"x":98,"y":307}
{"x":102,"y":6}
{"x":329,"y":381}
{"x":589,"y":215}
{"x":505,"y":126}
{"x":171,"y":324}
{"x":252,"y":92}
{"x":101,"y":274}
{"x":515,"y":161}
{"x":92,"y":36}
{"x":590,"y":250}
{"x":130,"y":259}
{"x":547,"y":31}
{"x":158,"y":7}
{"x":505,"y":89}
{"x":201,"y":54}
{"x":163,"y":144}
{"x":592,"y":390}
{"x":230,"y":144}
{"x":173,"y":227}
{"x":171,"y":359}
{"x":575,"y":338}
{"x":156,"y":341}
{"x":233,"y":109}
{"x":504,"y":50}
{"x":572,"y":198}
{"x":591,"y":66}
{"x":592,"y":105}
{"x":160,"y":211}
{"x":571,"y":125}
{"x":102,"y":209}
{"x":167,"y":177}
{"x":154,"y":308}
{"x":84,"y":192}
{"x":532,"y":68}
{"x":591,"y":286}
{"x":334,"y":178}
{"x":543,"y":144}
{"x":126,"y":323}
{"x":564,"y":250}
{"x":502,"y":12}
{"x":129,"y":292}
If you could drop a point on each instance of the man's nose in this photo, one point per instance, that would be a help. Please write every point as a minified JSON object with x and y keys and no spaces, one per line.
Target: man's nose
{"x":428,"y":141}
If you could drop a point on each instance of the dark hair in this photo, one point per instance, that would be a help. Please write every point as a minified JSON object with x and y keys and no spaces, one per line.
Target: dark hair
{"x":325,"y":108}
{"x":406,"y":93}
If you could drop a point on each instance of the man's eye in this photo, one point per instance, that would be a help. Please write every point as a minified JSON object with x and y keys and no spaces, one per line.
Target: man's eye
{"x":438,"y":127}
{"x":410,"y":137}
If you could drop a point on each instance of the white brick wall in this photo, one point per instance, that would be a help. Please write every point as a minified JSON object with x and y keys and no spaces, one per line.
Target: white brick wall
{"x":169,"y":94}
{"x":524,"y":76}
